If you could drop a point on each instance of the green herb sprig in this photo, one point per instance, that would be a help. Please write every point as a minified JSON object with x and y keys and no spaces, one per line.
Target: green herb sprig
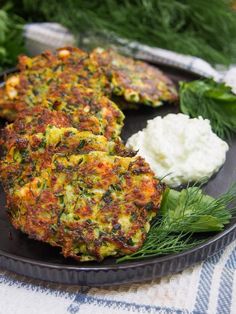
{"x":196,"y":212}
{"x":183,"y":214}
{"x":206,"y":29}
{"x":211,"y":100}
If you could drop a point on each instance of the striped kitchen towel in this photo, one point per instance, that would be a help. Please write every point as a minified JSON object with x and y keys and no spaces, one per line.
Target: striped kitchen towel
{"x":41,"y":36}
{"x":207,"y":288}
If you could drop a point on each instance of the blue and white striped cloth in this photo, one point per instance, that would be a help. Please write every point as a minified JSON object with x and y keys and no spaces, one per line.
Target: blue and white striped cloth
{"x":206,"y":288}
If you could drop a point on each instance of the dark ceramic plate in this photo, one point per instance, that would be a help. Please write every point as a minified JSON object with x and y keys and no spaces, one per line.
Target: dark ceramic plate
{"x":39,"y":260}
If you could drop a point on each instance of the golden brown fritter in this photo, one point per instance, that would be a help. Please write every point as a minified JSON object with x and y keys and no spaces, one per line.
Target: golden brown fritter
{"x":30,"y":142}
{"x":67,"y":65}
{"x":86,"y":109}
{"x":37,"y":75}
{"x":92,"y":206}
{"x":135,"y":81}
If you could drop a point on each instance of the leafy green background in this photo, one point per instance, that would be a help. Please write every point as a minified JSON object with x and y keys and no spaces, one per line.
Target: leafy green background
{"x":11,"y":39}
{"x":206,"y":29}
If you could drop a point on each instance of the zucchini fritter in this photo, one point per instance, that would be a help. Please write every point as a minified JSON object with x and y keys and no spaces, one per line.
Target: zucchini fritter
{"x":67,"y":65}
{"x":92,"y":206}
{"x":135,"y":81}
{"x":87,"y":110}
{"x":37,"y":75}
{"x":30,"y":142}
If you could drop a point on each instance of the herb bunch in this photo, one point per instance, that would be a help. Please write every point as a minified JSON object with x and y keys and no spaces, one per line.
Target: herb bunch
{"x":206,"y":29}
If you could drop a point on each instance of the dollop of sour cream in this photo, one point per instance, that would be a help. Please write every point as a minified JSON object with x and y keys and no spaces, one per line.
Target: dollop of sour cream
{"x":179,"y":148}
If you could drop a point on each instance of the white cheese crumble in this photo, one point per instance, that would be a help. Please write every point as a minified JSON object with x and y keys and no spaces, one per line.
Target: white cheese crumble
{"x":179,"y":148}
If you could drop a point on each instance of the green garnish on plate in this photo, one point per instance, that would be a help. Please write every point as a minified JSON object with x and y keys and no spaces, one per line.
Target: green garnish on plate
{"x":211,"y":100}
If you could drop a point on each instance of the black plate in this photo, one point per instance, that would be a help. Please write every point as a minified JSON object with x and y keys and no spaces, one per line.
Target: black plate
{"x":38,"y":260}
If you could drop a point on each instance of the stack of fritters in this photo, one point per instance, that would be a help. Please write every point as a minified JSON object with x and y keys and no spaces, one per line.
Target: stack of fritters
{"x":68,"y":178}
{"x":74,"y":189}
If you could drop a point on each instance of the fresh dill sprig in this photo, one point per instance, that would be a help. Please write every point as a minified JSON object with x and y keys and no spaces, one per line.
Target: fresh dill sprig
{"x":186,"y":26}
{"x":211,"y":100}
{"x":183,"y":214}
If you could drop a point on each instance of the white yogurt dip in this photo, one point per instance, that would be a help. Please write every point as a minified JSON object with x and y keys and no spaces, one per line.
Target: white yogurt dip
{"x":179,"y":148}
